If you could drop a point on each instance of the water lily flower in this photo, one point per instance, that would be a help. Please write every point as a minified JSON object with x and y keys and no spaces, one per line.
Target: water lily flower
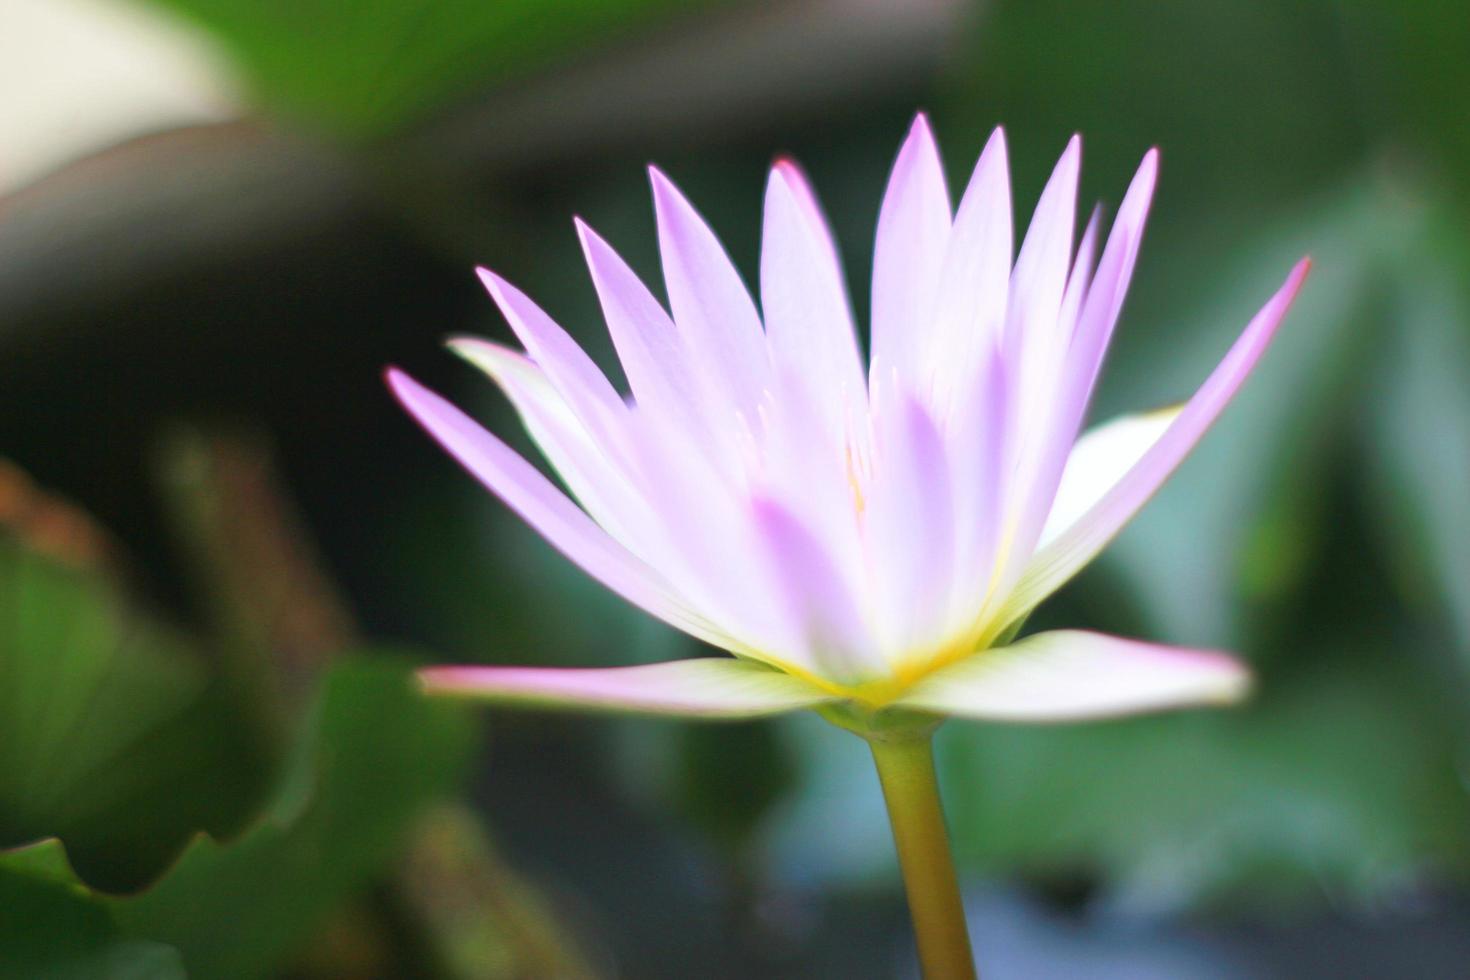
{"x":861,"y":536}
{"x":866,"y":540}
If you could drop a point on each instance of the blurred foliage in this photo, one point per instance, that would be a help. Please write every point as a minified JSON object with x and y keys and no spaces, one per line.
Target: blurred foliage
{"x":51,"y":932}
{"x":112,"y":735}
{"x":123,"y":757}
{"x":371,"y":756}
{"x":360,"y":67}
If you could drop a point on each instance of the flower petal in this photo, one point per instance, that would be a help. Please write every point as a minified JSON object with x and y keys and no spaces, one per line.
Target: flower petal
{"x":1081,"y":276}
{"x":977,"y":450}
{"x":649,"y":347}
{"x":711,"y":305}
{"x":808,"y":319}
{"x":1075,"y":546}
{"x":1070,"y":675}
{"x":909,"y":519}
{"x":828,"y":631}
{"x":711,"y":688}
{"x":1099,"y":460}
{"x":540,"y":504}
{"x":595,"y":481}
{"x":913,"y":232}
{"x":975,"y":277}
{"x":1052,"y":437}
{"x":1109,"y":286}
{"x":580,"y":381}
{"x":1035,"y":340}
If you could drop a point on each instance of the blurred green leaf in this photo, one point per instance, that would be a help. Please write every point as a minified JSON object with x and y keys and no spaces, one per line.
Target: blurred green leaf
{"x":50,"y":932}
{"x":1248,"y":101}
{"x":359,"y":67}
{"x":1419,"y":436}
{"x":373,"y":754}
{"x":110,"y":735}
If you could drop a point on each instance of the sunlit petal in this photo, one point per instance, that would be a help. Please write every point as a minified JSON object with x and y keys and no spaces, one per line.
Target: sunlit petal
{"x":913,"y":232}
{"x":1070,"y":675}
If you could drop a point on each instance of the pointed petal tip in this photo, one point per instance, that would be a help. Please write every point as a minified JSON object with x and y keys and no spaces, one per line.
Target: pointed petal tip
{"x":591,"y":242}
{"x":467,"y":345}
{"x":496,"y":285}
{"x":409,"y":394}
{"x":663,"y":187}
{"x":790,"y":173}
{"x":397,"y":380}
{"x":1276,"y":307}
{"x":1150,"y":162}
{"x":1238,"y":683}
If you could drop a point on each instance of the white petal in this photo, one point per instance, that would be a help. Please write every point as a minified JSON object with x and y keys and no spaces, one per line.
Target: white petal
{"x":1081,"y":276}
{"x":808,"y":320}
{"x":910,"y":529}
{"x":975,"y":278}
{"x":704,"y":515}
{"x":541,"y":505}
{"x":801,"y":461}
{"x":828,"y":629}
{"x":1035,"y":341}
{"x":1075,"y":546}
{"x":977,"y":447}
{"x":600,"y":485}
{"x":1070,"y":675}
{"x":1099,"y":460}
{"x":583,"y":385}
{"x":711,"y":305}
{"x":1109,"y":286}
{"x":651,"y":351}
{"x":711,"y":688}
{"x":1051,"y":440}
{"x":913,"y":232}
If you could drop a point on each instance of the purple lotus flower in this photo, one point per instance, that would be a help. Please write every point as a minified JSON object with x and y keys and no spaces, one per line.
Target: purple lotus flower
{"x":858,"y":537}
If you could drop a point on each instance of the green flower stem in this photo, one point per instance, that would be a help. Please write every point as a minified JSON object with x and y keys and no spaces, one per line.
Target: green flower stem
{"x":911,"y":790}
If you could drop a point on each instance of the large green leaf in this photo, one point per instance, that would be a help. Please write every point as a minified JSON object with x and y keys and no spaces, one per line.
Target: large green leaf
{"x":373,"y":754}
{"x":50,"y":932}
{"x":111,"y":735}
{"x":360,"y":66}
